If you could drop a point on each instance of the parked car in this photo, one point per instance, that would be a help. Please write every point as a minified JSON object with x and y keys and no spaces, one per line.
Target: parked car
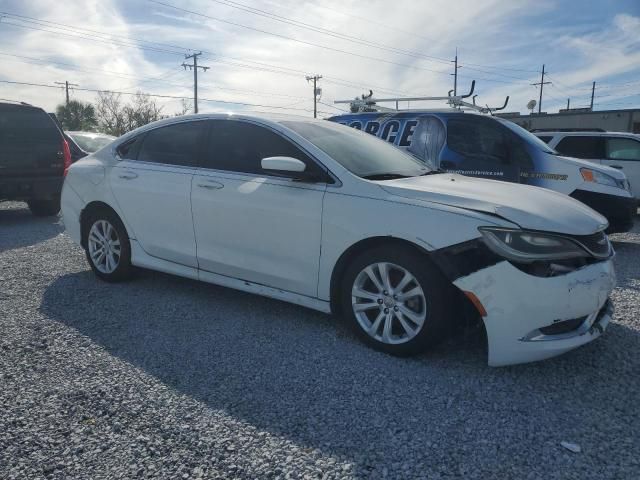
{"x":321,"y":215}
{"x":34,"y":157}
{"x":89,"y":142}
{"x":491,"y":147}
{"x":619,"y":150}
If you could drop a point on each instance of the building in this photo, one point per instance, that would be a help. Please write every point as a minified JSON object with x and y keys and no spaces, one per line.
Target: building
{"x":627,"y":120}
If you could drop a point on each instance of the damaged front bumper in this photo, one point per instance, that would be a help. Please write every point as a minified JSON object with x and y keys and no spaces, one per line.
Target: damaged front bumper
{"x":531,"y":318}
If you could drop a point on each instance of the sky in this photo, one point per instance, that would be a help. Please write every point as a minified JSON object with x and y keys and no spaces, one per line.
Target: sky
{"x":260,"y":51}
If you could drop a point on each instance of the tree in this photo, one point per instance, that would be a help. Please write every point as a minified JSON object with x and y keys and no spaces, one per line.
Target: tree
{"x":77,"y":115}
{"x":116,"y":118}
{"x":111,"y":118}
{"x":185,"y":107}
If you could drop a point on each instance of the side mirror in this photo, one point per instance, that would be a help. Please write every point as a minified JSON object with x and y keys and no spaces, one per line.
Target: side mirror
{"x":283,"y":164}
{"x":290,"y":167}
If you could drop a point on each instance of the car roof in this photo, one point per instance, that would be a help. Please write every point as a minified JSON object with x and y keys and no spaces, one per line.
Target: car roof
{"x":587,"y":134}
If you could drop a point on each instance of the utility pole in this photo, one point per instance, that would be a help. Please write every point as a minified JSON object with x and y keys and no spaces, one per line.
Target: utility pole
{"x":66,"y":87}
{"x":195,"y":68}
{"x":568,"y":102}
{"x":316,"y":92}
{"x":593,"y":93}
{"x":542,"y":83}
{"x":455,"y":74}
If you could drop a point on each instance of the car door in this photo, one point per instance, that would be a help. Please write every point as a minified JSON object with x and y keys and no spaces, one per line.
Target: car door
{"x":250,"y":224}
{"x":152,"y":186}
{"x":624,"y":153}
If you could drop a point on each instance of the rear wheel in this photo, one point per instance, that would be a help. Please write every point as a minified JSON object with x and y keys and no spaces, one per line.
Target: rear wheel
{"x":107,"y":246}
{"x":397,"y":301}
{"x":44,"y":208}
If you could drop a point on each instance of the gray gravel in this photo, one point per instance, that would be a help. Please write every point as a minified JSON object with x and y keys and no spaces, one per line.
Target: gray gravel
{"x":163,"y":377}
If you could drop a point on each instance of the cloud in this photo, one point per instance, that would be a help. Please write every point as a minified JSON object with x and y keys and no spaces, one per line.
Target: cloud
{"x":501,"y":44}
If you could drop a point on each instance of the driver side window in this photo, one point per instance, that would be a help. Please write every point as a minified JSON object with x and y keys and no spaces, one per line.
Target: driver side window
{"x":479,"y":140}
{"x":238,"y":146}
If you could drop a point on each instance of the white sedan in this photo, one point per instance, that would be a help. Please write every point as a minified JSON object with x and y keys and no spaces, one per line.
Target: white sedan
{"x":327,"y":217}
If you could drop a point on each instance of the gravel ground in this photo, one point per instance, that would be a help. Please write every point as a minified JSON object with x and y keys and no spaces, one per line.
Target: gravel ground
{"x":163,"y":377}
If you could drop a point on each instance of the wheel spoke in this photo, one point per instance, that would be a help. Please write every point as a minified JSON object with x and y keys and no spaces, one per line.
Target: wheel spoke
{"x":415,"y":317}
{"x":388,"y":324}
{"x":361,"y":307}
{"x":407,"y":328}
{"x":374,"y":278}
{"x":376,"y":324}
{"x":383,"y":268}
{"x":361,"y":293}
{"x":414,"y":292}
{"x":406,"y":279}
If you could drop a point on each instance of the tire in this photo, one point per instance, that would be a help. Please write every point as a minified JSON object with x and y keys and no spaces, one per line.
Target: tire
{"x":115,"y":264}
{"x":425,"y":302}
{"x":44,"y":208}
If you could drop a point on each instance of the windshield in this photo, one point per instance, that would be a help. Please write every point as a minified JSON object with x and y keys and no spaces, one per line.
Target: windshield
{"x":90,"y":142}
{"x":360,"y":153}
{"x":527,"y":136}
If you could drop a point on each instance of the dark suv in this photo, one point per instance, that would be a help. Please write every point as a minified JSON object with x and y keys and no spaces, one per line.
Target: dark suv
{"x":34,"y":157}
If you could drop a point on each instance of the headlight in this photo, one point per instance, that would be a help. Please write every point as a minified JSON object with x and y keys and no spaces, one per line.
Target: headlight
{"x":526,"y":247}
{"x":589,"y":175}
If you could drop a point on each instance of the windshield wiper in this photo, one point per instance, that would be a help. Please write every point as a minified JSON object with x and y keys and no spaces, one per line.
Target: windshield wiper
{"x":385,"y":176}
{"x":432,"y":172}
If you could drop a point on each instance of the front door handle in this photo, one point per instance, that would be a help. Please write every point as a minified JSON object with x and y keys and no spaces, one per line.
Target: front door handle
{"x":128,"y":175}
{"x":211,"y":185}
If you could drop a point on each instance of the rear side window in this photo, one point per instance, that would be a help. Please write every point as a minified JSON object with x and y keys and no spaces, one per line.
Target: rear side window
{"x":545,"y":138}
{"x":623,"y":149}
{"x":240,"y":147}
{"x":26,"y":126}
{"x":581,"y":146}
{"x":176,"y":144}
{"x":478,"y":139}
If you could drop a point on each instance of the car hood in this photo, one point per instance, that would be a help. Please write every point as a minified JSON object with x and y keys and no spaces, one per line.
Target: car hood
{"x":578,"y":162}
{"x":529,"y":207}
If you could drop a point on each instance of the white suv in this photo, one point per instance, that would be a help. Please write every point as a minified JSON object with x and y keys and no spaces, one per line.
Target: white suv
{"x":334,"y":219}
{"x":619,"y":150}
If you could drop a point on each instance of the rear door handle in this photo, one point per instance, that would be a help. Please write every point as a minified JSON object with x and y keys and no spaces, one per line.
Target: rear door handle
{"x":128,"y":175}
{"x":210,"y":185}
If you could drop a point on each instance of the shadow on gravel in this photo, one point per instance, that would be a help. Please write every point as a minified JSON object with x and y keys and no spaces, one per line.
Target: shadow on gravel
{"x":302,"y":375}
{"x":20,"y":228}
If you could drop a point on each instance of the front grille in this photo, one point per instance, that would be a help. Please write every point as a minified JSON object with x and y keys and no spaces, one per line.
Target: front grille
{"x":564,"y":326}
{"x":597,"y":243}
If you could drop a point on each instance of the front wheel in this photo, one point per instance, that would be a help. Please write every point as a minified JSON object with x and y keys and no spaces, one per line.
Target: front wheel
{"x":397,"y":301}
{"x":107,"y":247}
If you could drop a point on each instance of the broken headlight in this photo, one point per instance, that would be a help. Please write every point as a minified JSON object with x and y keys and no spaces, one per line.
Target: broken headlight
{"x":523,"y":246}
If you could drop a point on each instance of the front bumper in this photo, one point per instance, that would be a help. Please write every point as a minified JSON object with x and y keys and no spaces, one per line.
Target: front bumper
{"x":619,"y":210}
{"x":519,"y":305}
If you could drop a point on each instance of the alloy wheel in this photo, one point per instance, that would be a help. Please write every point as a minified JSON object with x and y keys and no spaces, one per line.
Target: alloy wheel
{"x":104,"y":246}
{"x":389,"y":303}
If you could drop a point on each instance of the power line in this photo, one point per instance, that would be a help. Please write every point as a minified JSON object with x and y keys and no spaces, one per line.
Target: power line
{"x":293,"y":39}
{"x":156,"y":95}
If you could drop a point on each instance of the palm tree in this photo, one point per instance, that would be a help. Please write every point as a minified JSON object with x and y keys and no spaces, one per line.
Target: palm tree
{"x":77,"y":115}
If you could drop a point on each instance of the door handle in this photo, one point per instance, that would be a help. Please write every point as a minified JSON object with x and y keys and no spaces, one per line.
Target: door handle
{"x":211,"y":185}
{"x":128,"y":175}
{"x":619,"y":167}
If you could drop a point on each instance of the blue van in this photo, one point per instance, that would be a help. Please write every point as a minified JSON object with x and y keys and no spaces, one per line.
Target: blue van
{"x":480,"y":145}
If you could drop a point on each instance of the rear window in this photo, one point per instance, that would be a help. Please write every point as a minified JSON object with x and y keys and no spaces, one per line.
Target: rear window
{"x":21,"y":126}
{"x":581,"y":146}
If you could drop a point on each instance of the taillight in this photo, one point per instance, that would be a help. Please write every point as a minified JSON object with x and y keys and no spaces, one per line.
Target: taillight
{"x":67,"y":156}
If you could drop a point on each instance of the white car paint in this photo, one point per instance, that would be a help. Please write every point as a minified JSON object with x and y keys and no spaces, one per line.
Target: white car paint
{"x":630,"y":167}
{"x":282,"y":239}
